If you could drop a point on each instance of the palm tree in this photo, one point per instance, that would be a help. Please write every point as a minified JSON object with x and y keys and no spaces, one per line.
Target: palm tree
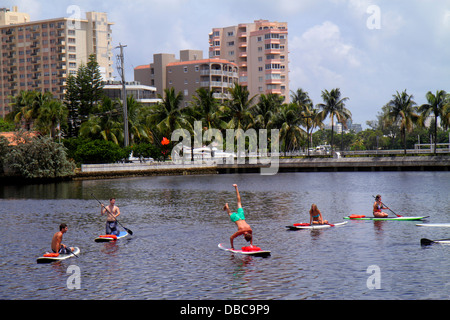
{"x":334,"y":106}
{"x":137,"y":130}
{"x":205,"y":107}
{"x":238,"y":108}
{"x":167,"y":116}
{"x":288,"y":120}
{"x":309,"y":114}
{"x":265,"y":109}
{"x":52,"y":114}
{"x":437,"y":104}
{"x":106,"y":123}
{"x":402,"y":110}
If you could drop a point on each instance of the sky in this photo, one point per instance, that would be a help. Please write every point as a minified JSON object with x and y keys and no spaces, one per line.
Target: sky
{"x":368,"y":49}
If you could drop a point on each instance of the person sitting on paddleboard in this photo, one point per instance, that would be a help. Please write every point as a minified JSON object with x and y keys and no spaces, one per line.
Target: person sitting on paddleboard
{"x":57,"y":245}
{"x":315,"y":216}
{"x":112,"y":212}
{"x":377,"y":207}
{"x":239,"y":218}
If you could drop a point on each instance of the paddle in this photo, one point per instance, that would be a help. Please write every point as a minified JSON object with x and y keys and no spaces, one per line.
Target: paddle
{"x":388,"y":208}
{"x":427,"y":242}
{"x":126,"y":229}
{"x":72,"y":252}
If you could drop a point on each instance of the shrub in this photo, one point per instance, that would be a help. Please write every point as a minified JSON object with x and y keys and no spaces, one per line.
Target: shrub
{"x":99,"y":151}
{"x":39,"y":157}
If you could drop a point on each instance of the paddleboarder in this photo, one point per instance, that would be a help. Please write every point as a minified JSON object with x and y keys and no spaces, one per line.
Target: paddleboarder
{"x":112,"y":212}
{"x":239,"y":218}
{"x":57,"y":245}
{"x":378,"y":206}
{"x":315,"y":216}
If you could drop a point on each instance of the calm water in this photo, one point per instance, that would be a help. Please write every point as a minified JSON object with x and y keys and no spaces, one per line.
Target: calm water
{"x":178,"y":222}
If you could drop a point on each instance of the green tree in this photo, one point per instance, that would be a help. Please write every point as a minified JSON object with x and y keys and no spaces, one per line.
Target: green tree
{"x":99,"y":151}
{"x":52,"y":115}
{"x":267,"y":106}
{"x":84,"y":91}
{"x":402,"y":111}
{"x":237,"y":109}
{"x":167,"y":115}
{"x":334,"y":106}
{"x":39,"y":157}
{"x":437,"y":105}
{"x":288,"y":121}
{"x":105,"y":124}
{"x":207,"y":108}
{"x":311,"y":117}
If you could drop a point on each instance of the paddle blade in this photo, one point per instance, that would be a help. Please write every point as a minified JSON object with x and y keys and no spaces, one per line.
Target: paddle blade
{"x":426,"y":242}
{"x":129,"y":231}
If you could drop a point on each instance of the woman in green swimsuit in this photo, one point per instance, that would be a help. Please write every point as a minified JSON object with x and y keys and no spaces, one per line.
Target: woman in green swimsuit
{"x":239,"y":218}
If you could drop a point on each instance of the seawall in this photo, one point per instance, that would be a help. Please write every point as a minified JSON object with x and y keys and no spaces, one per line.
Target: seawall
{"x":396,"y":163}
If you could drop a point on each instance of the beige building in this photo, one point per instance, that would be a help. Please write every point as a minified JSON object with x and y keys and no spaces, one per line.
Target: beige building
{"x":39,"y":55}
{"x":260,"y":50}
{"x":188,"y":74}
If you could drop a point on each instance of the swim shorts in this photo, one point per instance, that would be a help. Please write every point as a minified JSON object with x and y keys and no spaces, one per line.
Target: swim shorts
{"x":239,"y":215}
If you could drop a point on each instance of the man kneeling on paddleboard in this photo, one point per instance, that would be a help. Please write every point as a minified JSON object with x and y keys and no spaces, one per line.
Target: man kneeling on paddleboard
{"x":239,"y":218}
{"x":57,"y":246}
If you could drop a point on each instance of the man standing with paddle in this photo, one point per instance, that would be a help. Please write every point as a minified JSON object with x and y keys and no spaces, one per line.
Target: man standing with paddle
{"x":112,"y":212}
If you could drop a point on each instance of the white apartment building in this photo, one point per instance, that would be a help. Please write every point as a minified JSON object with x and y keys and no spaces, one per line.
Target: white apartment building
{"x":39,"y":55}
{"x":260,"y":49}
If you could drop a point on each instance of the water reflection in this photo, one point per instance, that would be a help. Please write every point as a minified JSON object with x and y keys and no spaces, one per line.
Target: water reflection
{"x":178,"y":222}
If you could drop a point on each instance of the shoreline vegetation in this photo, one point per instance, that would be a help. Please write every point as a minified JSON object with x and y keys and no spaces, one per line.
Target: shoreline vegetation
{"x":411,"y":162}
{"x":53,"y":139}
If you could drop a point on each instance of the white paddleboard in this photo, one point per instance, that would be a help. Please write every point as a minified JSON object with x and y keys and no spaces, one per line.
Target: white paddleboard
{"x":50,"y":258}
{"x":315,"y":226}
{"x":258,"y":253}
{"x":436,"y":225}
{"x":109,"y":237}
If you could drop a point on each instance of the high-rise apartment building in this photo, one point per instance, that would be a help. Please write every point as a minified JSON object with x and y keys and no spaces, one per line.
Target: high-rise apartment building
{"x":39,"y":55}
{"x":260,"y":49}
{"x":188,"y":74}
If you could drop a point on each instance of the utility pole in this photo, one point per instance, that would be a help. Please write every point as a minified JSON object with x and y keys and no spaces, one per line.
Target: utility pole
{"x":121,"y":69}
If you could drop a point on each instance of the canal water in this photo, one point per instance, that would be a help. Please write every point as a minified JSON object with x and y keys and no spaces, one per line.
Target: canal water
{"x":178,"y":222}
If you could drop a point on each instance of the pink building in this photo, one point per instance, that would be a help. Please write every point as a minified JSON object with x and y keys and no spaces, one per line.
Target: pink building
{"x":260,"y":50}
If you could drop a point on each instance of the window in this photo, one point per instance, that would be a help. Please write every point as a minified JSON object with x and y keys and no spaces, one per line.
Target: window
{"x":272,"y":46}
{"x":273,"y":66}
{"x":185,"y":69}
{"x":230,"y":34}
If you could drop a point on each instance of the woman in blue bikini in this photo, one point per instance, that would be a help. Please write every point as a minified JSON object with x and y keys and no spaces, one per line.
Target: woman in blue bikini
{"x":316,"y":216}
{"x":239,"y":218}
